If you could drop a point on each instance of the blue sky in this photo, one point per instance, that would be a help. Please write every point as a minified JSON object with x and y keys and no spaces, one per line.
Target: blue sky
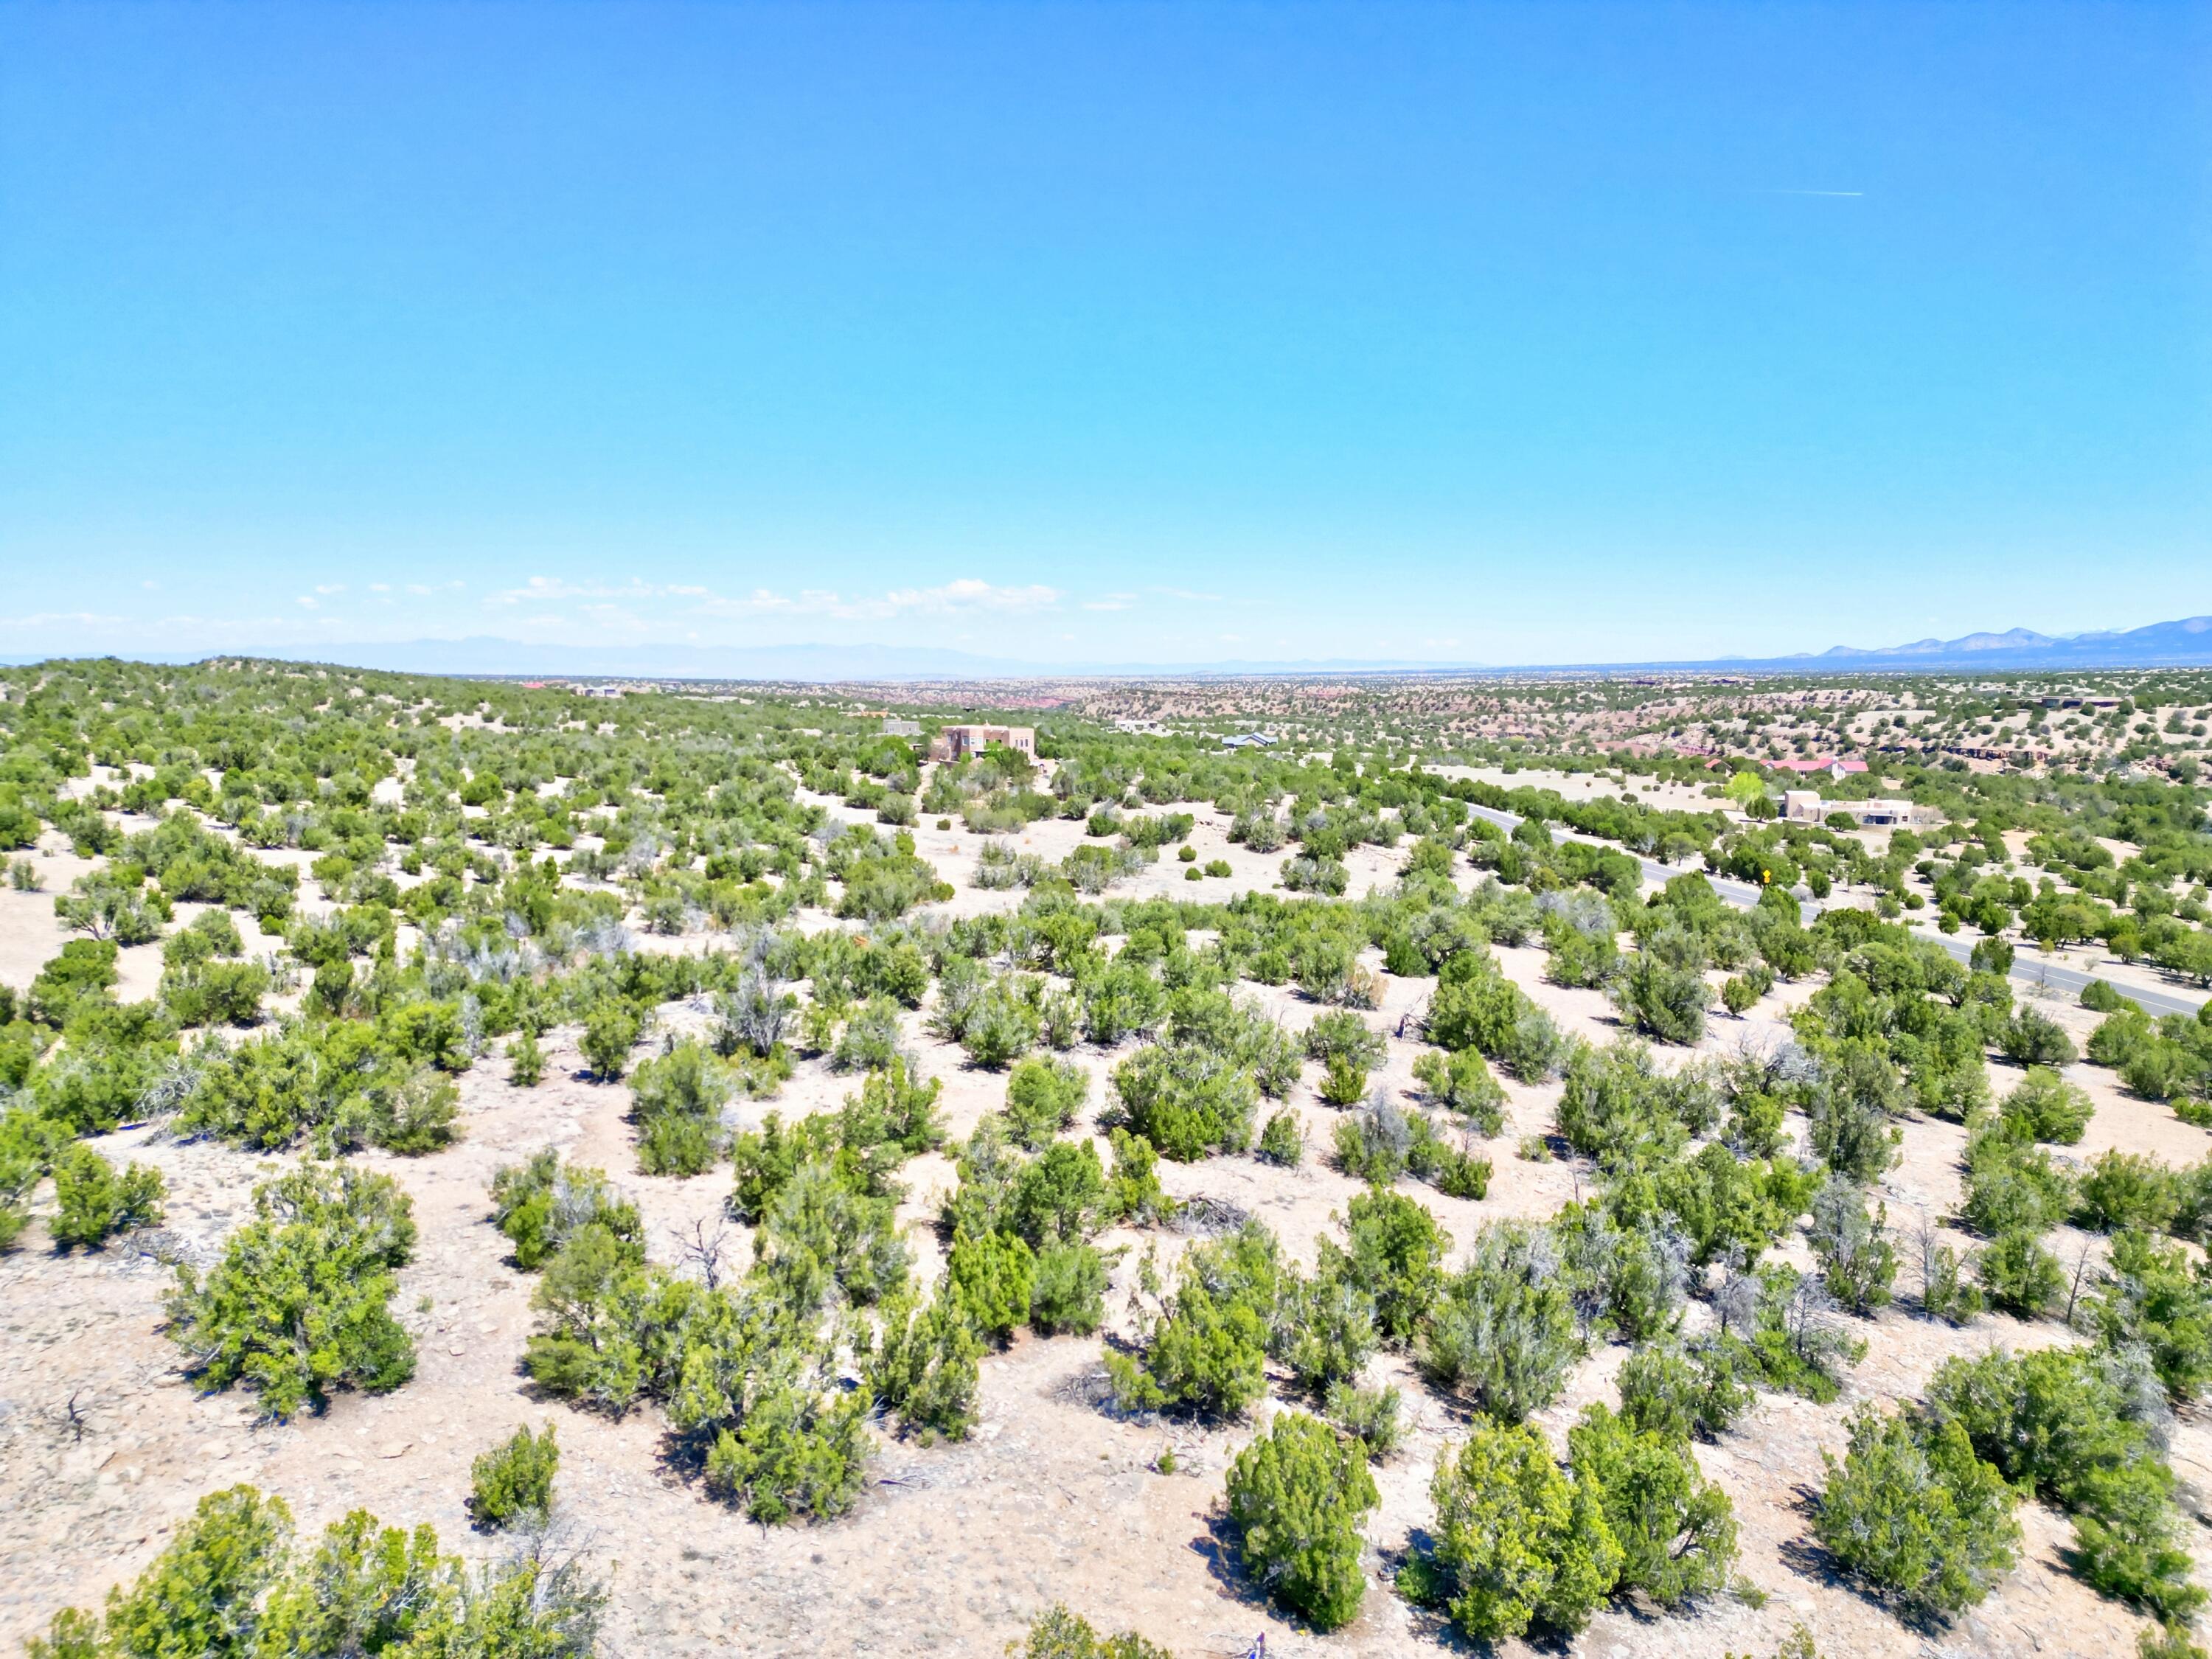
{"x":1081,"y":333}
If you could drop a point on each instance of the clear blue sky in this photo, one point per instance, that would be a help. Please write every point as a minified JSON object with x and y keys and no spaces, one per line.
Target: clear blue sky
{"x":1501,"y":333}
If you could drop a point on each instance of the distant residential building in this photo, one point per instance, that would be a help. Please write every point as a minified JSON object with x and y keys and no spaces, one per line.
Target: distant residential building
{"x":2014,"y":757}
{"x":1835,"y":768}
{"x":960,"y":742}
{"x":893,"y":727}
{"x":1806,"y":806}
{"x":1248,"y":740}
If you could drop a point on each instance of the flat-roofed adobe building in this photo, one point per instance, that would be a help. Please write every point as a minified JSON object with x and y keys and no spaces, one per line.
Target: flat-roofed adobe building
{"x":1806,"y":806}
{"x":960,"y":742}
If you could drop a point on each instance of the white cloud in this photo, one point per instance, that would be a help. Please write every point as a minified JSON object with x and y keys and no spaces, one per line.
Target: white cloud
{"x":1111,"y":602}
{"x":968,"y":594}
{"x":964,"y":596}
{"x":541,"y":589}
{"x":53,"y":618}
{"x":309,"y":602}
{"x":329,"y":588}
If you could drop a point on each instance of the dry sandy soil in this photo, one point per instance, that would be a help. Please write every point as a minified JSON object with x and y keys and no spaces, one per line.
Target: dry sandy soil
{"x":1666,"y":796}
{"x":953,"y":1546}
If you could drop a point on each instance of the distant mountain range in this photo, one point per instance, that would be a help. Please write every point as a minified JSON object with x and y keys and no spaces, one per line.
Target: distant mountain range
{"x":2188,"y":641}
{"x":2185,"y":643}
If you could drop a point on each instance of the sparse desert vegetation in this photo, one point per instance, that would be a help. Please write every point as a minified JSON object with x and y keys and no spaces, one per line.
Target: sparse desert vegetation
{"x":687,"y":1172}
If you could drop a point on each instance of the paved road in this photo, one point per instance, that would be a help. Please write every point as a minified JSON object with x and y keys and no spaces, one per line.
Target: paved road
{"x":1743,"y":894}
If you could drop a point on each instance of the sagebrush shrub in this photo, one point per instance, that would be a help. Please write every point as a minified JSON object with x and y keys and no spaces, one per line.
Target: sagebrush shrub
{"x":1208,"y":1352}
{"x":1503,"y":1332}
{"x":1912,"y":1511}
{"x":1369,"y":1416}
{"x":2029,"y":1038}
{"x":1461,"y":1080}
{"x":541,"y":1203}
{"x":610,"y":1032}
{"x":1299,"y":1493}
{"x":924,"y":1366}
{"x":1676,"y":1530}
{"x":1043,"y":1097}
{"x":1069,"y":1293}
{"x":299,"y":1303}
{"x":2046,"y":1107}
{"x":679,"y":1099}
{"x":1324,"y":1326}
{"x":2018,"y":1275}
{"x":1677,"y":1391}
{"x":992,"y":1278}
{"x":1372,"y":1144}
{"x":1056,"y":1634}
{"x":1283,"y":1141}
{"x":513,"y":1483}
{"x":2156,"y":1298}
{"x":1517,"y":1545}
{"x":96,"y":1202}
{"x":1857,"y":1261}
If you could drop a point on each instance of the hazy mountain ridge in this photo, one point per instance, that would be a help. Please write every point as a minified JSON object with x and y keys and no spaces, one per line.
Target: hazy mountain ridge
{"x":2185,"y":641}
{"x":2014,"y":638}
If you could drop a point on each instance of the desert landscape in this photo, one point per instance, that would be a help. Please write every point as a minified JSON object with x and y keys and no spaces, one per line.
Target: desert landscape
{"x":1204,"y":831}
{"x":1047,"y":1479}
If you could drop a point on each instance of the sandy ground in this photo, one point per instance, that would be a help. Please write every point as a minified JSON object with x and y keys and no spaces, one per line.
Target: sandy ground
{"x":1669,"y":797}
{"x":953,"y":1547}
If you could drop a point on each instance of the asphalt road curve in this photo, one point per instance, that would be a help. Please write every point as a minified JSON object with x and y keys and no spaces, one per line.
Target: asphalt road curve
{"x":2027,"y":972}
